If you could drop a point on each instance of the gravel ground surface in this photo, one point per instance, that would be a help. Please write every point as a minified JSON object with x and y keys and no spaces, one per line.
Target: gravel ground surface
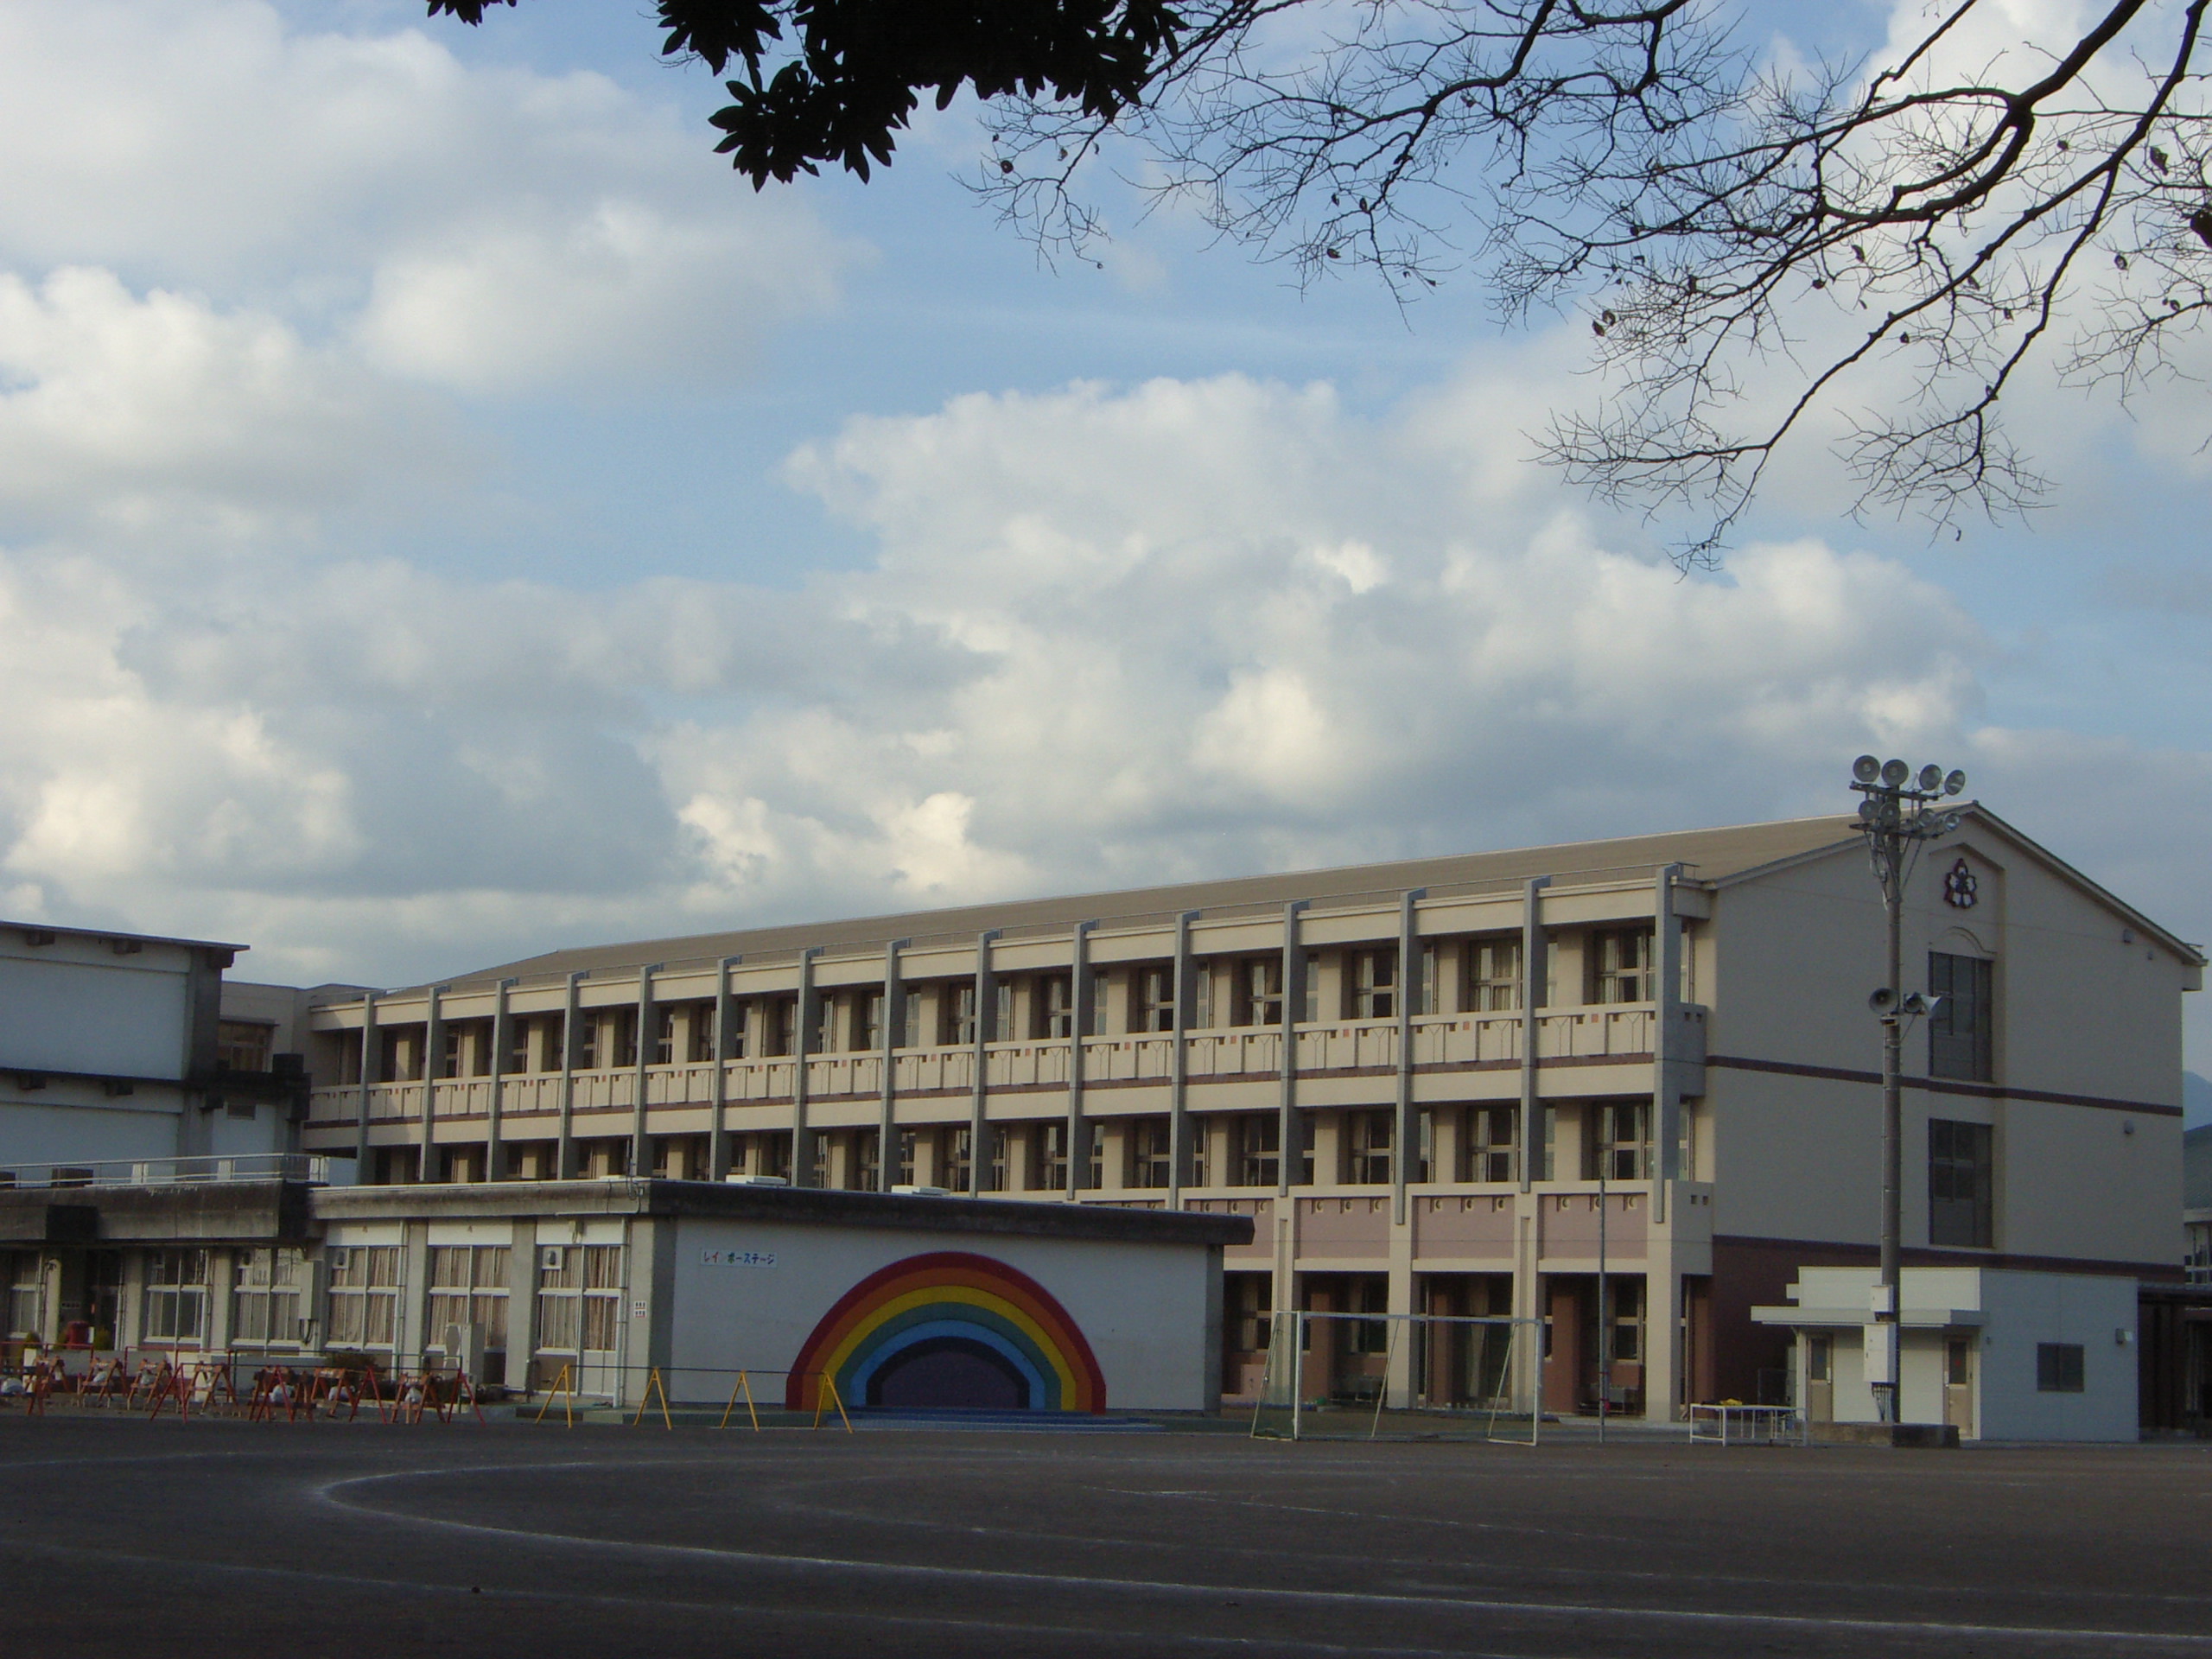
{"x":229,"y":1537}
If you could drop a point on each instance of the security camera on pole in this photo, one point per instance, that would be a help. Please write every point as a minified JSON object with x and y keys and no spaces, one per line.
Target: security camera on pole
{"x":1899,"y":815}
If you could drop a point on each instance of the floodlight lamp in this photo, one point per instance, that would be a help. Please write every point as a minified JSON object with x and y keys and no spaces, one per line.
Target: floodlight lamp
{"x":1868,"y":812}
{"x":1931,"y":777}
{"x":1894,"y":773}
{"x":1865,"y":769}
{"x":1955,"y":783}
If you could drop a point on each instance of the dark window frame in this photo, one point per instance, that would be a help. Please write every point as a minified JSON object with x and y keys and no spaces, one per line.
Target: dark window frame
{"x":1961,"y":1184}
{"x":2062,"y":1367}
{"x":1962,"y":1031}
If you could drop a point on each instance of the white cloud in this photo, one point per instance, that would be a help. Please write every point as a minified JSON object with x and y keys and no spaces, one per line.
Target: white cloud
{"x":156,"y":410}
{"x":493,"y":231}
{"x":1110,"y":639}
{"x":1108,"y":635}
{"x":618,"y":293}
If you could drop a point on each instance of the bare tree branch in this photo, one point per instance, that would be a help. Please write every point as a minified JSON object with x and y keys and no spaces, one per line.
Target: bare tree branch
{"x":1870,"y":251}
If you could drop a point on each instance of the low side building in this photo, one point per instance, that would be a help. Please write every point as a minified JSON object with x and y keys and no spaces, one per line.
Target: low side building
{"x":1997,"y":1353}
{"x":900,"y":1301}
{"x":121,"y":1047}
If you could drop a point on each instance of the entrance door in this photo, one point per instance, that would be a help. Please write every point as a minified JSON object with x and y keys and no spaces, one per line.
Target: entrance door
{"x":1958,"y":1384}
{"x":1820,"y":1379}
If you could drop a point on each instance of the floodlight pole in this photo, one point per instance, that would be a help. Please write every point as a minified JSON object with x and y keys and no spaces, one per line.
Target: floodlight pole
{"x":1889,"y":865}
{"x":1898,"y":819}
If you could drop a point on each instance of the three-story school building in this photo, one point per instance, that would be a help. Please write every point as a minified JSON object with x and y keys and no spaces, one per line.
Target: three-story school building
{"x":1433,"y":1086}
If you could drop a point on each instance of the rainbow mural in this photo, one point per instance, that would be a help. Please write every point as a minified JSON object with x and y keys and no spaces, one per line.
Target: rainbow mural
{"x":950,"y":1329}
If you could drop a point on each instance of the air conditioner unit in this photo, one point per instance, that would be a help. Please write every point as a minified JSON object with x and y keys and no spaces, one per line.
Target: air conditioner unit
{"x":907,"y":1191}
{"x":551,"y":1258}
{"x":339,"y":1257}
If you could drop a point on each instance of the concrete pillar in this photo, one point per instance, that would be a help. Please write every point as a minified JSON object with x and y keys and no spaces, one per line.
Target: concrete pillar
{"x":522,"y":1302}
{"x":1527,"y":1240}
{"x":1533,"y":991}
{"x":1078,"y":1027}
{"x":222,"y":1273}
{"x":1404,"y":1148}
{"x":1665,"y":1161}
{"x":434,"y":1059}
{"x":801,"y":1044}
{"x":1398,"y":1374}
{"x":1665,"y":1388}
{"x":986,"y":1031}
{"x":572,"y":1018}
{"x":372,"y":1062}
{"x":414,"y":1295}
{"x":890,"y":1027}
{"x":653,"y":1281}
{"x":1183,"y":992}
{"x":718,"y":1087}
{"x":641,"y":1152}
{"x":494,"y":1154}
{"x":1288,"y":1131}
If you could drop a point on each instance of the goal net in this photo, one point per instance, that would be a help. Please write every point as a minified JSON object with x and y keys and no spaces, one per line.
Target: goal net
{"x":1374,"y":1376}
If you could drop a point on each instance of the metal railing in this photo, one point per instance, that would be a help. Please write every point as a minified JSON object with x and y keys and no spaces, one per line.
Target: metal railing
{"x":312,"y":1168}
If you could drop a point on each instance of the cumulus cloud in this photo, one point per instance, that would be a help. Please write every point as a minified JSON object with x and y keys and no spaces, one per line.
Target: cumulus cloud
{"x":491,"y":230}
{"x":158,"y":411}
{"x":1103,"y":634}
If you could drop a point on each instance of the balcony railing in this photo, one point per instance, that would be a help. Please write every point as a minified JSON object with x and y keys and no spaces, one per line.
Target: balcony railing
{"x":308,"y":1167}
{"x":1563,"y":1036}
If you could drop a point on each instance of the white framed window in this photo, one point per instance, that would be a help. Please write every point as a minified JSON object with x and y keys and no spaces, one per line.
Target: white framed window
{"x":1259,"y":1142}
{"x":1367,"y":1147}
{"x":1374,"y":985}
{"x":176,"y":1296}
{"x":268,"y":1298}
{"x":1148,"y":1152}
{"x":1493,"y":1143}
{"x":364,"y":1295}
{"x":1156,"y":999}
{"x":1618,"y":1136}
{"x":579,"y":1298}
{"x":1494,"y":975}
{"x":468,"y":1286}
{"x":1621,"y":965}
{"x":25,"y":1283}
{"x":1258,"y":987}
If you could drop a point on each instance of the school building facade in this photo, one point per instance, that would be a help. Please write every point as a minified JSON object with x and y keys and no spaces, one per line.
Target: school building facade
{"x":1442,"y":1086}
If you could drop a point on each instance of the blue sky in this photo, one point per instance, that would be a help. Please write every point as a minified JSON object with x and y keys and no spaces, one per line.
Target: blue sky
{"x":444,"y":513}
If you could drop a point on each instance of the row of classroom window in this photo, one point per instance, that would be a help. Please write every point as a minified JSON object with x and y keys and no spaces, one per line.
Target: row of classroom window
{"x":579,"y":1289}
{"x":1028,"y":1006}
{"x":1961,"y":1031}
{"x":1612,"y":1141}
{"x":1033,"y":1157}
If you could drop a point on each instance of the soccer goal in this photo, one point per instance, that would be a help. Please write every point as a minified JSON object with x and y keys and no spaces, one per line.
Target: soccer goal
{"x":1374,"y":1376}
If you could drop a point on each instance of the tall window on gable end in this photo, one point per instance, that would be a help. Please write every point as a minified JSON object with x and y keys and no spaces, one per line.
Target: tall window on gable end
{"x":1960,"y":1184}
{"x":1961,"y":1031}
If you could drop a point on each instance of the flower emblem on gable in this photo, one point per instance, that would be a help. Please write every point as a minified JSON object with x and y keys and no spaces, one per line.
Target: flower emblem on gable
{"x":1960,"y":887}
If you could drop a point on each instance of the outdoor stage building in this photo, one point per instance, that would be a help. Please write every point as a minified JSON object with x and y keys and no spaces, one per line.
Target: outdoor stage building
{"x":1461,"y":1085}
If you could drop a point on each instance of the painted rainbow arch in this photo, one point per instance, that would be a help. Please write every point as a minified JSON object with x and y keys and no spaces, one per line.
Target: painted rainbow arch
{"x":948,"y":1329}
